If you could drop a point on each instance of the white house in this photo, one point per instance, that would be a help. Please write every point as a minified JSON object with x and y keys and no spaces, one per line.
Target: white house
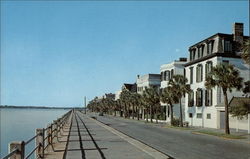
{"x":167,"y":71}
{"x":205,"y":107}
{"x":146,"y":81}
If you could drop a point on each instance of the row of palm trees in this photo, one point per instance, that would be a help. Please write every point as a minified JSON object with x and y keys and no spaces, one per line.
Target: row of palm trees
{"x":132,"y":104}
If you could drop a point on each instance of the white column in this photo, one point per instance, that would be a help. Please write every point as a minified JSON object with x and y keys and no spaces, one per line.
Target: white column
{"x":249,"y":123}
{"x":237,"y":124}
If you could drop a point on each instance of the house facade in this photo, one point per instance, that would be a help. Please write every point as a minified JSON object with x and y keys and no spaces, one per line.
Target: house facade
{"x":167,"y":72}
{"x":146,"y":81}
{"x":205,"y":107}
{"x":128,"y":86}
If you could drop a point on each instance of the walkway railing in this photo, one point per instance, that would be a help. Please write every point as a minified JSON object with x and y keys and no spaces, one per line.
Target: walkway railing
{"x":43,"y":139}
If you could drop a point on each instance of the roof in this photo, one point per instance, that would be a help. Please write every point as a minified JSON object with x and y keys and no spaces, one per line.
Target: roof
{"x":130,"y":87}
{"x":229,"y":36}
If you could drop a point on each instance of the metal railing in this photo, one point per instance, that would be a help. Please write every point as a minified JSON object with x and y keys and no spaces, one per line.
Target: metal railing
{"x":43,"y":136}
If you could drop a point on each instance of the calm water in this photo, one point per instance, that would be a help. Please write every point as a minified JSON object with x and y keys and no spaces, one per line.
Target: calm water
{"x":20,"y":124}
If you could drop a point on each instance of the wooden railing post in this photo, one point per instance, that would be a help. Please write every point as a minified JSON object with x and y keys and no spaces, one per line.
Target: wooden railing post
{"x":39,"y":141}
{"x":49,"y":134}
{"x":21,"y":149}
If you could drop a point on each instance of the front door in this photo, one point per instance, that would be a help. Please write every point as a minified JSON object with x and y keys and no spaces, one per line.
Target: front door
{"x":222,"y":119}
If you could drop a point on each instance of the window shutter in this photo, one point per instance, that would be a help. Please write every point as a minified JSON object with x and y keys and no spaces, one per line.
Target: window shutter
{"x":201,"y":69}
{"x":201,"y":99}
{"x":211,"y":97}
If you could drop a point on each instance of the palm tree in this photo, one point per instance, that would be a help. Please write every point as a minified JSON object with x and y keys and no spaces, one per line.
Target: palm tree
{"x":169,"y":97}
{"x":152,"y":98}
{"x":124,"y":96}
{"x":179,"y":84}
{"x":246,"y":51}
{"x":119,"y":106}
{"x":226,"y":77}
{"x":145,"y":106}
{"x":138,"y":102}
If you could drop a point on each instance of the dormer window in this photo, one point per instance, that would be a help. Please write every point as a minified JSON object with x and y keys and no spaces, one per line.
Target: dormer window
{"x":227,"y":46}
{"x":192,"y":54}
{"x":210,"y":47}
{"x":200,"y":51}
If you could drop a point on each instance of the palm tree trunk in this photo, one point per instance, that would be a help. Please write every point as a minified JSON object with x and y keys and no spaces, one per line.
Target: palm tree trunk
{"x":227,"y":130}
{"x":138,"y":115}
{"x":171,"y":114}
{"x":133,"y":109}
{"x":147,"y":114}
{"x":156,"y":112}
{"x":181,"y":121}
{"x":151,"y":115}
{"x":125,"y":111}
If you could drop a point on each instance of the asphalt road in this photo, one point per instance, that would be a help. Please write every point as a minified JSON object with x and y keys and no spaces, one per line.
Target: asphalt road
{"x":180,"y":144}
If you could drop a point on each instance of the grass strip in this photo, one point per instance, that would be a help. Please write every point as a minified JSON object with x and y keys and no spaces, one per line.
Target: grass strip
{"x":228,"y":136}
{"x":179,"y":128}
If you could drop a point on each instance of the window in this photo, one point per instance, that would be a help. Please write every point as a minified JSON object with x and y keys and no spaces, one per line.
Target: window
{"x":227,"y":46}
{"x":191,"y":99}
{"x":164,"y":75}
{"x":210,"y":47}
{"x":199,"y":73}
{"x":200,"y":51}
{"x":190,"y":115}
{"x":194,"y":52}
{"x":184,"y":72}
{"x":208,"y":67}
{"x":167,"y":75}
{"x":199,"y":97}
{"x":208,"y":116}
{"x":207,"y":48}
{"x":172,"y":73}
{"x":199,"y":115}
{"x":208,"y":97}
{"x":191,"y":75}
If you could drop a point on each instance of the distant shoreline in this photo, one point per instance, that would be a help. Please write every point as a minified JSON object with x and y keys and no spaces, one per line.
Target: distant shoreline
{"x":38,"y":107}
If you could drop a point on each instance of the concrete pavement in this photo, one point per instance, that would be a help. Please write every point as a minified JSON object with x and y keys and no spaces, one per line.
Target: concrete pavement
{"x":88,"y":138}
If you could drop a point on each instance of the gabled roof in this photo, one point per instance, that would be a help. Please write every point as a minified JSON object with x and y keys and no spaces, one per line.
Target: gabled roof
{"x":130,"y":87}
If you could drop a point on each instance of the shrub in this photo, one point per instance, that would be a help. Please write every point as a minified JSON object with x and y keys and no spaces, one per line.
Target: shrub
{"x":176,"y":122}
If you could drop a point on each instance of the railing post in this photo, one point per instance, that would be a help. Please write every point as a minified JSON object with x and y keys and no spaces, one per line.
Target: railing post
{"x":49,"y":134}
{"x":39,"y":141}
{"x":43,"y":142}
{"x":21,"y":149}
{"x":54,"y":128}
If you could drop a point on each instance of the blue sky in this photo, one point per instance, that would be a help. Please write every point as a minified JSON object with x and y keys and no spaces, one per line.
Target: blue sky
{"x":55,"y":53}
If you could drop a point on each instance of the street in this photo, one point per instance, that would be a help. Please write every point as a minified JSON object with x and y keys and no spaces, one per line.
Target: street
{"x":178,"y":143}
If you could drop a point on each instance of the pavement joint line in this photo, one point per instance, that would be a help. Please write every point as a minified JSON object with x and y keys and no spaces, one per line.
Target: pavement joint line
{"x":149,"y":150}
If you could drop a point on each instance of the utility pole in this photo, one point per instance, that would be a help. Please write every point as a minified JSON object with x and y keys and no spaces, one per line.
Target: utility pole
{"x":85,"y":103}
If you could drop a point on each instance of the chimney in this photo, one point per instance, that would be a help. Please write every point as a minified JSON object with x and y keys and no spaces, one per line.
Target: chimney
{"x":238,"y":32}
{"x":183,"y":59}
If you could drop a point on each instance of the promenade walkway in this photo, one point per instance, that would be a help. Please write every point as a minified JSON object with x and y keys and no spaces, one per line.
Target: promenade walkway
{"x":84,"y":137}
